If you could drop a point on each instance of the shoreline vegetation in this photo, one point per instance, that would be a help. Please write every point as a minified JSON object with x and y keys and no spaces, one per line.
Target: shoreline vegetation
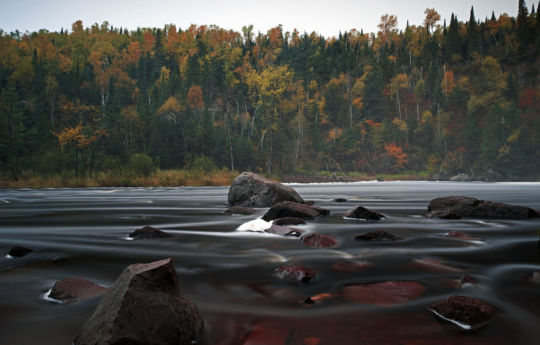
{"x":185,"y":177}
{"x":191,"y":178}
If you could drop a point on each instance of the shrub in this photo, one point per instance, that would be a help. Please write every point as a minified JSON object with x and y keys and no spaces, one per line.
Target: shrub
{"x":141,"y":164}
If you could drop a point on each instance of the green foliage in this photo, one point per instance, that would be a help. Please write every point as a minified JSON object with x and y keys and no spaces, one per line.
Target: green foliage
{"x":141,"y":164}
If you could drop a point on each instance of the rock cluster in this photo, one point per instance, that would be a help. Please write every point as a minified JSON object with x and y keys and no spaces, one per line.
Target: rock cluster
{"x":456,"y":207}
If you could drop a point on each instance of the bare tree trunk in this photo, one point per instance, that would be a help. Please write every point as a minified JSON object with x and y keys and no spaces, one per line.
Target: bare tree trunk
{"x":230,"y":141}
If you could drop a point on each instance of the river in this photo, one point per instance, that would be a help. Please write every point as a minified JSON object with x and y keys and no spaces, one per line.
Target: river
{"x":229,"y":273}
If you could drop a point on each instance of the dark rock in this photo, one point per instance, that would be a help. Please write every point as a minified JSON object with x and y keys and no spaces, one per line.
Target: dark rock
{"x":340,"y":200}
{"x":144,"y":306}
{"x":148,"y":232}
{"x":283,"y":231}
{"x":289,"y":221}
{"x":317,"y":299}
{"x":360,"y":212}
{"x":18,"y":251}
{"x":293,"y":209}
{"x":240,"y":210}
{"x":378,"y":235}
{"x":466,"y":312}
{"x":319,"y":241}
{"x":460,"y":178}
{"x":309,"y":202}
{"x":249,"y":189}
{"x":467,"y":279}
{"x":384,"y":293}
{"x":295,"y":273}
{"x":456,"y":207}
{"x":75,"y":289}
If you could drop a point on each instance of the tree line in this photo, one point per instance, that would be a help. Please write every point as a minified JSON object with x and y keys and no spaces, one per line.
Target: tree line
{"x":442,"y":97}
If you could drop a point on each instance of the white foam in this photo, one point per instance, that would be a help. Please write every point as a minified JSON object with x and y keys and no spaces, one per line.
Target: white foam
{"x":46,"y":296}
{"x":9,"y":256}
{"x":127,"y":238}
{"x":255,"y":225}
{"x":455,"y":322}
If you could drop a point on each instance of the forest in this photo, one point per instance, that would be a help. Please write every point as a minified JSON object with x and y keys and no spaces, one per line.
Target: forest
{"x":444,"y":97}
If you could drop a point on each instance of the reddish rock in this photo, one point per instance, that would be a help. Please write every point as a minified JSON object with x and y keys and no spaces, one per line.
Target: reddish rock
{"x":319,"y":240}
{"x":294,"y":209}
{"x":461,"y":235}
{"x":289,"y":221}
{"x":75,"y":289}
{"x":456,"y":207}
{"x":360,"y":212}
{"x":351,"y":266}
{"x":378,"y":235}
{"x":466,"y":312}
{"x":252,"y":190}
{"x":385,"y":293}
{"x":295,"y":273}
{"x":269,"y":332}
{"x":283,"y":231}
{"x":317,"y":298}
{"x":144,"y":306}
{"x":240,"y":210}
{"x":148,"y":232}
{"x":18,"y":251}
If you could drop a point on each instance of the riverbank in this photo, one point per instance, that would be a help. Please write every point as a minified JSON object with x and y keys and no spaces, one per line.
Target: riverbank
{"x":185,"y":177}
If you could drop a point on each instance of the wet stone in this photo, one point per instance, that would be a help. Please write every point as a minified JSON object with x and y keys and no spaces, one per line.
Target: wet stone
{"x":295,"y":273}
{"x":19,"y":251}
{"x":465,"y":312}
{"x":283,"y":231}
{"x":148,"y":232}
{"x":293,"y":209}
{"x":319,"y":240}
{"x":378,"y":235}
{"x":340,"y":200}
{"x":289,"y":221}
{"x":75,"y":289}
{"x":360,"y":212}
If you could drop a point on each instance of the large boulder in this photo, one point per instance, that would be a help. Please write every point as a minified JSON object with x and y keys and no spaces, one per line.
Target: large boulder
{"x":293,"y":209}
{"x":144,"y":306}
{"x":75,"y":289}
{"x":456,"y":207}
{"x":252,"y":190}
{"x":460,"y":178}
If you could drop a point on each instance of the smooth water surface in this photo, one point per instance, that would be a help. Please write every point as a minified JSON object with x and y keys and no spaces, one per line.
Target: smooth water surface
{"x":229,"y":273}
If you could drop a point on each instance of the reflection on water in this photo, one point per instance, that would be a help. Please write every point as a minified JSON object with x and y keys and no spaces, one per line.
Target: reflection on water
{"x":228,"y":271}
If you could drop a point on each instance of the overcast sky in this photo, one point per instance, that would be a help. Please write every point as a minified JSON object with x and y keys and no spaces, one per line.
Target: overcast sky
{"x":327,"y":17}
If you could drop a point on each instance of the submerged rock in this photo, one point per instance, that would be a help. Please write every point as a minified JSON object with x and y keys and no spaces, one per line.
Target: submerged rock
{"x":456,"y":207}
{"x":289,"y":221}
{"x":360,"y":212}
{"x":75,"y":289}
{"x":319,"y":241}
{"x":252,"y":190}
{"x":295,"y":273}
{"x":144,"y":306}
{"x":465,"y":312}
{"x":386,"y":293}
{"x":378,"y":235}
{"x":294,"y":209}
{"x":148,"y":232}
{"x":283,"y":231}
{"x":340,"y":200}
{"x":461,"y":236}
{"x":240,"y":210}
{"x":18,"y":251}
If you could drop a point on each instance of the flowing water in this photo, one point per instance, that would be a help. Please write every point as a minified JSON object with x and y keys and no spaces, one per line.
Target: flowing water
{"x":229,"y":273}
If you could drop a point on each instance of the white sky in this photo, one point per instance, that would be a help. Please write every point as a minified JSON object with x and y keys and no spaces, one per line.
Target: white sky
{"x":327,"y":17}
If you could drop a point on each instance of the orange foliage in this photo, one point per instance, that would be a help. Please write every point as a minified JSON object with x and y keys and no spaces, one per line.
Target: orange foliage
{"x":397,"y":153}
{"x":195,"y":98}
